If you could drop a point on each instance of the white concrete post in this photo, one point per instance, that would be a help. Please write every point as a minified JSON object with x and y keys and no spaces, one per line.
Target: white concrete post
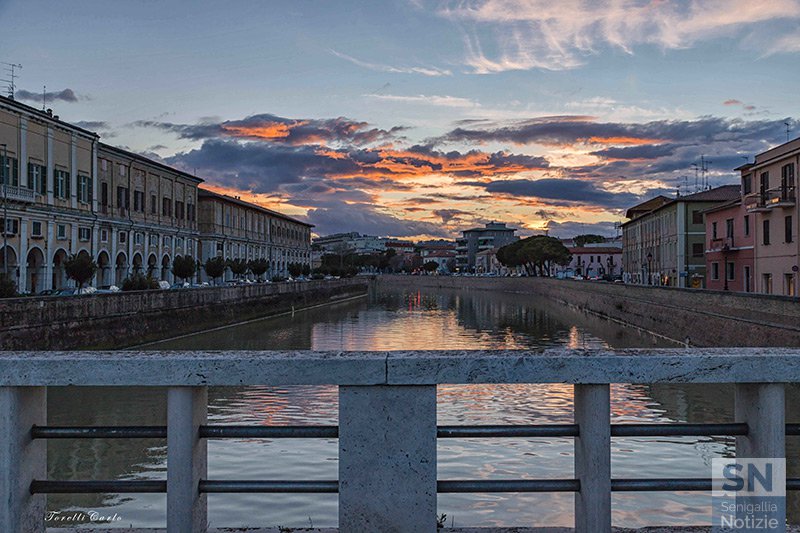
{"x":593,"y":459}
{"x":22,"y":459}
{"x":762,"y":407}
{"x":387,"y":458}
{"x":187,"y":409}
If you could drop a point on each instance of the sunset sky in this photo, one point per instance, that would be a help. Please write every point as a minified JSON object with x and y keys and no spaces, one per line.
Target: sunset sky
{"x":417,"y":118}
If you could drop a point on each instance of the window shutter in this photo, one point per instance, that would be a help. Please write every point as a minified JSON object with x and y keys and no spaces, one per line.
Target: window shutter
{"x":67,"y":185}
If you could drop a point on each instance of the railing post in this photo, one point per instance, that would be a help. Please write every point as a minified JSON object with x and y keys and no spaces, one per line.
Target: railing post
{"x":762,"y":406}
{"x":387,"y":458}
{"x":22,"y":459}
{"x":593,"y":459}
{"x":187,"y":410}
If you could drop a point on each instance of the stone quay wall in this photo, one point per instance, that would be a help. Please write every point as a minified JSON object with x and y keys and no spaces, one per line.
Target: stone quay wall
{"x":131,"y":318}
{"x":704,"y":317}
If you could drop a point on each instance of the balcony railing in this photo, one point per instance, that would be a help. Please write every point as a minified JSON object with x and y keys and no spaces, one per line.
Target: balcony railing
{"x":387,"y":428}
{"x":722,"y":244}
{"x":781,"y":197}
{"x":755,"y":202}
{"x":17,"y":193}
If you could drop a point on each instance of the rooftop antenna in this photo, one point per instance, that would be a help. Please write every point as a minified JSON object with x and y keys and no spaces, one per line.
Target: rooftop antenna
{"x":701,"y":172}
{"x":11,"y":72}
{"x":788,"y":130}
{"x":44,"y":97}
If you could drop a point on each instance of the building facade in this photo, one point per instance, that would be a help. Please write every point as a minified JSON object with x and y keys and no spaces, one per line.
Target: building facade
{"x":476,"y":240}
{"x":770,"y":197}
{"x":234,"y":229}
{"x":595,"y":260}
{"x":664,"y":241}
{"x":729,"y":248}
{"x":65,"y":194}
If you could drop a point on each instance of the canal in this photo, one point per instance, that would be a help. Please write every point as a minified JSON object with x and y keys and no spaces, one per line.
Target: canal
{"x":402,"y":319}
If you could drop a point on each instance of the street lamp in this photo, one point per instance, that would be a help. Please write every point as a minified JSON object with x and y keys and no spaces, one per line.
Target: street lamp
{"x":649,"y":268}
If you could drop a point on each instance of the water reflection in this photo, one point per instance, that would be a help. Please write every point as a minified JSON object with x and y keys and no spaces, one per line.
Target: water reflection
{"x":391,"y":320}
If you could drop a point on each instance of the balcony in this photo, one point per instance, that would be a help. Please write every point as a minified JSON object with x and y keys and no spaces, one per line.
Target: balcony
{"x":722,"y":244}
{"x":756,"y":202}
{"x":19,"y":194}
{"x":781,"y":197}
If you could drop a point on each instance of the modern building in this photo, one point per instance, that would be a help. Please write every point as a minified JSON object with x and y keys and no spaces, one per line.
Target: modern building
{"x":593,"y":260}
{"x":473,"y":241}
{"x":729,"y":247}
{"x":769,"y":192}
{"x":664,"y":240}
{"x":352,"y":242}
{"x":234,"y":229}
{"x":446,"y":259}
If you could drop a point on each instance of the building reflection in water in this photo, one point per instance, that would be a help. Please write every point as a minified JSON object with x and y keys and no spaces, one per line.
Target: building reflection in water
{"x":408,"y":320}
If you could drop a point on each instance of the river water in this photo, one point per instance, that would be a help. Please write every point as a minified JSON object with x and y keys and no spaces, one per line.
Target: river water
{"x":400,"y":320}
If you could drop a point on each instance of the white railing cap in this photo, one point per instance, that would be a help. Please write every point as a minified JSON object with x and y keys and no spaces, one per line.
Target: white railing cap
{"x":557,"y":365}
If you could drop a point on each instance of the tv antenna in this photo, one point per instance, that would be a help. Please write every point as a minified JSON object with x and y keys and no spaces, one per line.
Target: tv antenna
{"x":788,"y":130}
{"x":11,"y":72}
{"x":44,"y":97}
{"x":701,"y":174}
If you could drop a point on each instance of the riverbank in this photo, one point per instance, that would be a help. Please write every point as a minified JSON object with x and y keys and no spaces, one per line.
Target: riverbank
{"x":131,"y":318}
{"x":696,"y":317}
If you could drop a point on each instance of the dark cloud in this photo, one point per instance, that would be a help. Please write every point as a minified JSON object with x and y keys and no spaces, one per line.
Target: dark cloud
{"x":448,"y":215}
{"x":281,"y":130}
{"x":366,"y":218}
{"x":93,"y":125}
{"x":566,"y":191}
{"x":569,"y":229}
{"x":66,"y":95}
{"x":644,"y":151}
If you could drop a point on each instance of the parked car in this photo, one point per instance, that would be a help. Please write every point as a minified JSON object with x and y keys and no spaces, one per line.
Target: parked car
{"x":163,"y":284}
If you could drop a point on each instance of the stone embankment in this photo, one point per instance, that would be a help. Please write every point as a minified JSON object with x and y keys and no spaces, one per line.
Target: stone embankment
{"x":131,"y":318}
{"x":701,"y":317}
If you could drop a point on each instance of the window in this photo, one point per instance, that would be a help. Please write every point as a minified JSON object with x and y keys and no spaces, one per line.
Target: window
{"x":153,"y":205}
{"x":61,"y":231}
{"x":84,"y":234}
{"x":787,"y":181}
{"x":122,"y":237}
{"x":747,"y":184}
{"x":765,"y":231}
{"x":104,"y":194}
{"x":697,"y":217}
{"x":9,"y":226}
{"x":788,"y":285}
{"x":697,"y":249}
{"x":123,"y":198}
{"x":84,"y":189}
{"x":138,"y":201}
{"x":179,"y":242}
{"x":787,"y":229}
{"x":103,"y":235}
{"x":10,"y":171}
{"x":61,"y":184}
{"x":190,"y":212}
{"x":121,"y":170}
{"x":153,"y":240}
{"x":767,"y":283}
{"x":747,"y":224}
{"x":166,"y":207}
{"x":713,"y":230}
{"x":37,"y":178}
{"x":764,"y":185}
{"x":714,"y":270}
{"x":179,"y":209}
{"x":730,"y":271}
{"x":167,"y":241}
{"x":104,"y":165}
{"x":138,"y":237}
{"x":729,"y":228}
{"x":36,"y":229}
{"x":747,"y":287}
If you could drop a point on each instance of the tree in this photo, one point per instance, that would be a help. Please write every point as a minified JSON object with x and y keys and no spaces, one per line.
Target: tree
{"x":258,"y":267}
{"x":239,"y":267}
{"x":306,"y":269}
{"x":581,"y":240}
{"x":184,"y":267}
{"x":139,"y":282}
{"x":431,"y":266}
{"x":537,"y":254}
{"x":8,"y":289}
{"x":81,"y":268}
{"x":215,"y":267}
{"x":295,"y":269}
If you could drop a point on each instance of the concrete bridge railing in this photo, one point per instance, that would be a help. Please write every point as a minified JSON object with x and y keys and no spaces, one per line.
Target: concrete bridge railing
{"x":387,"y":424}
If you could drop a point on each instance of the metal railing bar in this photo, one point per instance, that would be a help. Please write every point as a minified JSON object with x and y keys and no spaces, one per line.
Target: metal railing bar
{"x":508,"y":485}
{"x":248,"y":486}
{"x":99,"y":432}
{"x":543,"y":430}
{"x":677,"y":430}
{"x":465,"y":431}
{"x":667,"y":485}
{"x":94,"y":487}
{"x":268,"y":432}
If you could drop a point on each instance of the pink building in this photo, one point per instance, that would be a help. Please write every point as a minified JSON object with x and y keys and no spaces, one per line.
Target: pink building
{"x":729,"y":247}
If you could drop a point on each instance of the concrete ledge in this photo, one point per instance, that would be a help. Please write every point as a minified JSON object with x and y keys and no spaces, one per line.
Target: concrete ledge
{"x":182,"y":368}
